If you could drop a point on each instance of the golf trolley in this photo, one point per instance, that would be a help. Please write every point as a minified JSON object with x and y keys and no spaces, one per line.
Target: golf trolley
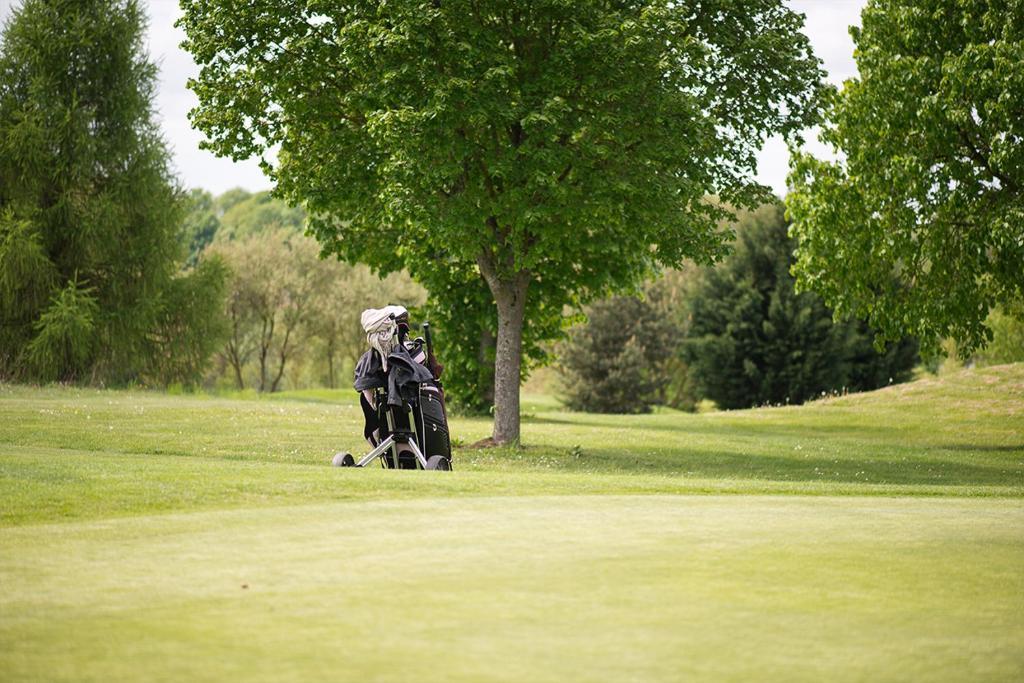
{"x":411,"y":438}
{"x":405,"y":419}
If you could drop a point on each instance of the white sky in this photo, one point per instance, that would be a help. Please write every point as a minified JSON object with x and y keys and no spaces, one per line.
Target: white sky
{"x":827,"y":22}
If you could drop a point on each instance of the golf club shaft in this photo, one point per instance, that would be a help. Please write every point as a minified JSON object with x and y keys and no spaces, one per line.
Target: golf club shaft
{"x":429,"y":339}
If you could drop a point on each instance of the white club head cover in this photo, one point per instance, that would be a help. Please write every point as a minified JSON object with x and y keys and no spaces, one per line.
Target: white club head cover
{"x":381,"y":329}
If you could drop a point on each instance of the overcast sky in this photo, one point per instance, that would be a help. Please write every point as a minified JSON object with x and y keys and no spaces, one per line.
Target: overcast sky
{"x":827,"y":23}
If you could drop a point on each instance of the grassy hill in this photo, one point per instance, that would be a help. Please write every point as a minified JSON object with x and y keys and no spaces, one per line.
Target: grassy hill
{"x":147,"y":536}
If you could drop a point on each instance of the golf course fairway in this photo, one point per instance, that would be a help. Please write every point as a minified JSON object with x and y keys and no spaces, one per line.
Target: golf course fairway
{"x":149,"y":537}
{"x":514,"y":589}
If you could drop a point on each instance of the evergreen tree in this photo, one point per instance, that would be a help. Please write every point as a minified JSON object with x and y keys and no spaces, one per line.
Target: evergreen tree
{"x":754,"y":340}
{"x":616,"y":362}
{"x":89,"y":212}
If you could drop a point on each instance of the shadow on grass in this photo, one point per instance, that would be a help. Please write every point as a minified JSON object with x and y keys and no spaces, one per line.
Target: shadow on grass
{"x":1018,"y":448}
{"x":822,"y":428}
{"x":910,"y":468}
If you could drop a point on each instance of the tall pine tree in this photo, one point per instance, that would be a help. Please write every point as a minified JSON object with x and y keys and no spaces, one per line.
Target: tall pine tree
{"x":89,"y":211}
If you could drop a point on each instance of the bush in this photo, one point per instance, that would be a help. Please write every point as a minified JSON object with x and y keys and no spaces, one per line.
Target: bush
{"x":1007,"y":345}
{"x":616,"y":361}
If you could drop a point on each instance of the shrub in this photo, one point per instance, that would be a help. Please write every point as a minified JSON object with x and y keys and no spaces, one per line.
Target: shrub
{"x":616,"y":361}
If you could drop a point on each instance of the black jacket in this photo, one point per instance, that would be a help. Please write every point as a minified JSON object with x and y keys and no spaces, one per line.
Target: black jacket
{"x":402,"y":379}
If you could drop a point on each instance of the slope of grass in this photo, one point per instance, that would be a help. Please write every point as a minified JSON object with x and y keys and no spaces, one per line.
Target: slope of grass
{"x":153,"y":537}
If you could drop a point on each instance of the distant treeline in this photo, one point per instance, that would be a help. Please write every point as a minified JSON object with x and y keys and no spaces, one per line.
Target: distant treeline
{"x":739,"y":334}
{"x":291,"y":319}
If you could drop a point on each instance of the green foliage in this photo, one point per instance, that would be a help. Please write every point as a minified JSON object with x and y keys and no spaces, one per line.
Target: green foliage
{"x":287,"y":308}
{"x":258,"y":213}
{"x":191,"y":326}
{"x":65,"y":333}
{"x":754,"y":340}
{"x":277,"y":288}
{"x":224,"y":202}
{"x":558,"y":150}
{"x":864,"y":367}
{"x":670,"y":292}
{"x":1007,"y":345}
{"x":617,"y":361}
{"x":86,"y":196}
{"x":27,"y":278}
{"x":462,"y":311}
{"x":919,"y":228}
{"x":337,"y":333}
{"x":200,"y":224}
{"x":274,"y":276}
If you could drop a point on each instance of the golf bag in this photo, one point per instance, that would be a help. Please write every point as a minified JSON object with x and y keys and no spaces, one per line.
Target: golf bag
{"x":400,"y":392}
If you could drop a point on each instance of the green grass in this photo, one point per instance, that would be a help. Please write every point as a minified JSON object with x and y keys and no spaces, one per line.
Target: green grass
{"x":153,"y":537}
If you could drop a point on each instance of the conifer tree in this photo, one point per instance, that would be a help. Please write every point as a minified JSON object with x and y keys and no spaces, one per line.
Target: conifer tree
{"x":617,"y":361}
{"x":90,"y":214}
{"x":754,"y":340}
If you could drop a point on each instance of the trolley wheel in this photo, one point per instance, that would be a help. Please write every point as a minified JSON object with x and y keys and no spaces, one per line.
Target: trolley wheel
{"x":438,"y":462}
{"x":343,"y":460}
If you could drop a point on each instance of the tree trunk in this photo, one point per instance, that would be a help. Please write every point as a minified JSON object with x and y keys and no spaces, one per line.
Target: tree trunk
{"x":237,"y":365}
{"x":510,"y":296}
{"x":485,"y":360}
{"x":266,"y":338}
{"x":280,"y":373}
{"x":330,"y":363}
{"x":235,"y":349}
{"x":283,"y":356}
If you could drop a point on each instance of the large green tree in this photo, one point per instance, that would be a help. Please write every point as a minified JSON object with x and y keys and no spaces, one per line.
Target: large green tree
{"x":90,"y":251}
{"x":919,"y":228}
{"x":556,"y":149}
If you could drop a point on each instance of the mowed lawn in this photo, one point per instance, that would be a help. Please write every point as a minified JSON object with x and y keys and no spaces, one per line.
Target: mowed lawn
{"x":874,"y":537}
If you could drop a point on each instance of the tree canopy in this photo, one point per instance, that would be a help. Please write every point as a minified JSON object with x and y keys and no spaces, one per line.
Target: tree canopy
{"x":919,"y":228}
{"x":90,"y":250}
{"x":556,"y":150}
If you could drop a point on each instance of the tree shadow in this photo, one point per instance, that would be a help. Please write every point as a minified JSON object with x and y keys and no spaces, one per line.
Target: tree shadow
{"x":902,"y":469}
{"x":820,"y":428}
